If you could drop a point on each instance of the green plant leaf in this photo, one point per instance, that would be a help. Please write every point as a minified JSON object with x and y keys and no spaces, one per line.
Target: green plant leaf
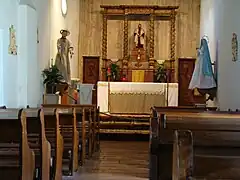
{"x":52,"y":75}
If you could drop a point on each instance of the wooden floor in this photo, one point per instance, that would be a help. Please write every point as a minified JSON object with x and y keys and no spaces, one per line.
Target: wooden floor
{"x":116,"y":160}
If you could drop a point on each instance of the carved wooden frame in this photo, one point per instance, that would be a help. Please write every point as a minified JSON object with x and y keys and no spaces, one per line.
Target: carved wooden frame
{"x":166,"y":12}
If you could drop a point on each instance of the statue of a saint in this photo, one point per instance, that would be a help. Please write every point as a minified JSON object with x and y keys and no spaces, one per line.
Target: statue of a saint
{"x":62,"y":59}
{"x":139,"y":36}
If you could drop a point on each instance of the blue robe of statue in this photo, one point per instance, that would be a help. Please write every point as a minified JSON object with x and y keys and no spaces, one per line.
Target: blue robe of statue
{"x":203,"y":77}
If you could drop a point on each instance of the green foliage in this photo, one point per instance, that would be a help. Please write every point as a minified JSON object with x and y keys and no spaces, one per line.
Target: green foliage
{"x":160,"y":74}
{"x":52,"y":75}
{"x":115,"y":74}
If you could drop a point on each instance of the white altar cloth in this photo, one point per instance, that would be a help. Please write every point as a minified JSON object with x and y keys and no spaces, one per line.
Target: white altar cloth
{"x":134,"y":87}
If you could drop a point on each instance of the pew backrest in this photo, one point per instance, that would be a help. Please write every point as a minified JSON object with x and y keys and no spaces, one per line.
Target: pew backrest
{"x":210,"y":129}
{"x":13,"y":129}
{"x":36,"y":125}
{"x":208,"y":136}
{"x":51,"y":117}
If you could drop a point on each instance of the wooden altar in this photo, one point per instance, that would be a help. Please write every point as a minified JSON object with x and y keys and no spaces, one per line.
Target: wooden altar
{"x":135,"y":61}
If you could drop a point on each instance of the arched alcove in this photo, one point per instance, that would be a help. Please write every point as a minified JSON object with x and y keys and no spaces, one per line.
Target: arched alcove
{"x":31,"y":3}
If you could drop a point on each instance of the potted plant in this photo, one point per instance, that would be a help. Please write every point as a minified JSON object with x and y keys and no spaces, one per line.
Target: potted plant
{"x":114,"y":71}
{"x":52,"y":77}
{"x":160,"y":74}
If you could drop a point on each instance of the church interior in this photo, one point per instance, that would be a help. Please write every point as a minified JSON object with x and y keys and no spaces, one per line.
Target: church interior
{"x":119,"y":89}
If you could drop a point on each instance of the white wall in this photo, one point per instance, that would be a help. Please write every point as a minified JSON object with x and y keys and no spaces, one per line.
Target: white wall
{"x":8,"y":17}
{"x":28,"y":83}
{"x":1,"y":69}
{"x":22,"y":62}
{"x":50,"y":22}
{"x":44,"y":22}
{"x":208,"y":28}
{"x":207,"y":25}
{"x":22,"y":73}
{"x":70,"y":22}
{"x":219,"y":19}
{"x":228,"y":71}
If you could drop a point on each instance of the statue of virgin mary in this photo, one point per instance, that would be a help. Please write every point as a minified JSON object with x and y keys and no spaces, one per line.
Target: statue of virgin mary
{"x":203,"y":77}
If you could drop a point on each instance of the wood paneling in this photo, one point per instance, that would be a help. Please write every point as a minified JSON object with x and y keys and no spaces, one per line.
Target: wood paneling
{"x":90,"y":69}
{"x":186,"y":96}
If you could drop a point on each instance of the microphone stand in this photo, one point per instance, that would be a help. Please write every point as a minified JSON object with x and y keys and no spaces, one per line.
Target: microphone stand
{"x":75,"y":101}
{"x":167,"y":85}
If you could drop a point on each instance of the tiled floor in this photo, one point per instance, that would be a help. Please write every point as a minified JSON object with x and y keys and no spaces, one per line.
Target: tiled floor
{"x":117,"y":160}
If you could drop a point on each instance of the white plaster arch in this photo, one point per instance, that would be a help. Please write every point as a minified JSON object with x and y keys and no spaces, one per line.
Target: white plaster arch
{"x":31,"y":3}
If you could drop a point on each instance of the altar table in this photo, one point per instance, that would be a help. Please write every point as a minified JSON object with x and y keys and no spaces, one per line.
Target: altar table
{"x":134,"y":97}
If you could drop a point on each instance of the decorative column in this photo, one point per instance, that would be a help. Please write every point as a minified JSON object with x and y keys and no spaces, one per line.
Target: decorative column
{"x":104,"y":46}
{"x":125,"y":43}
{"x":172,"y":34}
{"x":151,"y":40}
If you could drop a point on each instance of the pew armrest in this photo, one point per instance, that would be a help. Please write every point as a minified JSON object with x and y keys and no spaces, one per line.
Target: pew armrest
{"x":75,"y":150}
{"x":46,"y":159}
{"x":28,"y":163}
{"x":59,"y":155}
{"x":182,"y":155}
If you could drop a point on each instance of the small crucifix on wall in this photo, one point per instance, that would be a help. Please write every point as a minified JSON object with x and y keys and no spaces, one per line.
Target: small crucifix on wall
{"x":234,"y":47}
{"x":12,"y":49}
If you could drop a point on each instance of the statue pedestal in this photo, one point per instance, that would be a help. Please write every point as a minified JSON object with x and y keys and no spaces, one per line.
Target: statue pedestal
{"x":138,"y":54}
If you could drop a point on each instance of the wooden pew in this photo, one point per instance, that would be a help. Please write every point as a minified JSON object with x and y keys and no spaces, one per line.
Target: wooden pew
{"x":17,"y":160}
{"x":53,"y":134}
{"x":88,"y":126}
{"x":39,"y":143}
{"x":207,"y":145}
{"x":80,"y":128}
{"x":68,"y":127}
{"x":87,"y":117}
{"x":161,"y":140}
